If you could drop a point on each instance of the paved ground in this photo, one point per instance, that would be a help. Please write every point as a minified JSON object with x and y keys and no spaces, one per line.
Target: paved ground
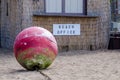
{"x":75,"y":65}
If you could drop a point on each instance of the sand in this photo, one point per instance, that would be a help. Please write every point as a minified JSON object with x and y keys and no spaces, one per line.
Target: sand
{"x":71,"y":65}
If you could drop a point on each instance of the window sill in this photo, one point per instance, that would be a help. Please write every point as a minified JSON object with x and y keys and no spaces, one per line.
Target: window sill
{"x":63,"y":15}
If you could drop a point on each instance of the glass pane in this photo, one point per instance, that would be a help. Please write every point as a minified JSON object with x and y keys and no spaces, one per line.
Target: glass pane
{"x":74,"y":6}
{"x":53,"y":6}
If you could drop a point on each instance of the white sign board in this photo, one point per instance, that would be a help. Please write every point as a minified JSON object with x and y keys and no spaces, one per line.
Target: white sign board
{"x":66,"y":29}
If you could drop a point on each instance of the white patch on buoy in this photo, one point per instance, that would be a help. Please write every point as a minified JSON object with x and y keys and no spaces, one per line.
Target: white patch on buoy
{"x":26,"y":35}
{"x":25,"y":43}
{"x":47,"y":34}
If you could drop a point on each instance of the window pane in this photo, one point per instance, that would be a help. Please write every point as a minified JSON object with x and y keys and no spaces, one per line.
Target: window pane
{"x":74,"y":6}
{"x":53,"y":6}
{"x":118,"y":6}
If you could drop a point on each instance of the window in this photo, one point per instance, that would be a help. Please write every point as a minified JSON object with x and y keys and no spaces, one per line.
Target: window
{"x":118,"y":6}
{"x":7,"y":9}
{"x":115,"y":10}
{"x":73,"y":6}
{"x":53,"y":6}
{"x":115,"y":5}
{"x":65,"y":6}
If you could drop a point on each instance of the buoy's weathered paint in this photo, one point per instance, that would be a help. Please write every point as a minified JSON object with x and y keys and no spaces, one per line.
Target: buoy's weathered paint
{"x":35,"y":48}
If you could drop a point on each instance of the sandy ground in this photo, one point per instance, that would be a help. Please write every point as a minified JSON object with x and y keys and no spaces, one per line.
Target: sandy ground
{"x":74,"y":65}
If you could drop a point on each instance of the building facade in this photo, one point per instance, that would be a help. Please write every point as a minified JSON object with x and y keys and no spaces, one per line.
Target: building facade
{"x":92,"y":15}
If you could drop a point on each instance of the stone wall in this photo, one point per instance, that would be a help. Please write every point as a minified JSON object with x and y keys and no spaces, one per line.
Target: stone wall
{"x":101,"y":8}
{"x":27,"y":13}
{"x":87,"y":40}
{"x":15,"y":16}
{"x":8,"y":20}
{"x":95,"y":29}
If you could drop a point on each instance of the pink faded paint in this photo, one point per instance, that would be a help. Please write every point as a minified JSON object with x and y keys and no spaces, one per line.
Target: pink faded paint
{"x":34,"y":41}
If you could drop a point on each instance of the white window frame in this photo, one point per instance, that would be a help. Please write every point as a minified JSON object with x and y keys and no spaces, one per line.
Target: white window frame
{"x":63,"y":10}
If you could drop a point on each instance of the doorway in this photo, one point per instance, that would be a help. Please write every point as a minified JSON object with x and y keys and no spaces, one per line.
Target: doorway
{"x":114,"y":42}
{"x":0,"y":23}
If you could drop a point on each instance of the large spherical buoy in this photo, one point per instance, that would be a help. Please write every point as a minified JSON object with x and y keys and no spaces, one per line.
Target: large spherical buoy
{"x":35,"y":48}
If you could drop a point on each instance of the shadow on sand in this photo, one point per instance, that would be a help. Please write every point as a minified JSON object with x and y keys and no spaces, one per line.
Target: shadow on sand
{"x":18,"y":71}
{"x":14,"y":71}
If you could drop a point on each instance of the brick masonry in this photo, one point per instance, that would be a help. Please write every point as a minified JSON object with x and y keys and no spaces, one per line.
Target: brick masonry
{"x":94,"y":30}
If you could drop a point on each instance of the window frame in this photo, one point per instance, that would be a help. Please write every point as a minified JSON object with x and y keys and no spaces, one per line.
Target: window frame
{"x":118,"y":7}
{"x":63,"y":10}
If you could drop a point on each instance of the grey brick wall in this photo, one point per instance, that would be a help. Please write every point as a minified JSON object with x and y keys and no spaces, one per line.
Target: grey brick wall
{"x":101,"y":8}
{"x":11,"y":21}
{"x":20,"y":16}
